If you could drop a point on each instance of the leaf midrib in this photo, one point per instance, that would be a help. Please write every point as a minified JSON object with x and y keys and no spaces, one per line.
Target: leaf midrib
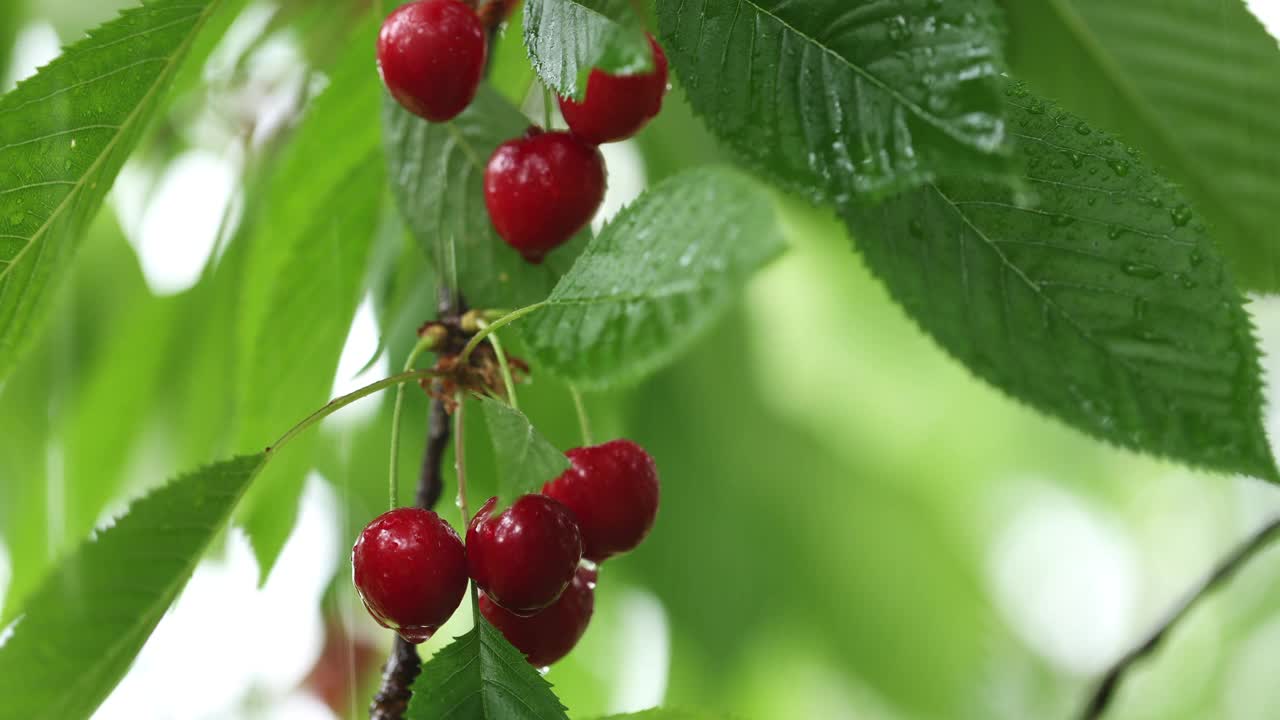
{"x":1084,"y":332}
{"x":123,"y":129}
{"x":1166,"y":136}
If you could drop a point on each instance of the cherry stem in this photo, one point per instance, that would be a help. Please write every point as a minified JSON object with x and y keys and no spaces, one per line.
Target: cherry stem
{"x":460,"y":457}
{"x":1105,"y":692}
{"x":495,"y":325}
{"x":503,"y":366}
{"x":424,"y":343}
{"x":546,"y":107}
{"x":583,"y":421}
{"x":338,"y":403}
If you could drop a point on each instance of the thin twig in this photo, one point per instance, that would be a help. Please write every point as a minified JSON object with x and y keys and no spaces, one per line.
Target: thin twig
{"x":1224,"y":571}
{"x":584,"y":421}
{"x":401,"y":670}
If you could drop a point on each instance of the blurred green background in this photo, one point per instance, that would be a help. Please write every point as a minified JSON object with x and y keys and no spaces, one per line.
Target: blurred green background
{"x":852,"y":526}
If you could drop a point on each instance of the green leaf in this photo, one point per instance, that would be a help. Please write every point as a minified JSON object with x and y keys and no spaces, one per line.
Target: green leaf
{"x":82,"y":628}
{"x":437,"y":177}
{"x":567,"y":38}
{"x":525,"y":459}
{"x":832,"y":98}
{"x":481,"y":677}
{"x":304,"y":277}
{"x":1191,"y":81}
{"x":64,"y":133}
{"x":656,"y":278}
{"x":1105,"y":304}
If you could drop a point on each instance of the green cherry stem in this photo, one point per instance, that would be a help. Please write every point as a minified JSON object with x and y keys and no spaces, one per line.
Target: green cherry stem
{"x":424,"y":344}
{"x":547,"y":99}
{"x":496,"y":325}
{"x":460,"y":456}
{"x":583,"y":421}
{"x":338,"y":403}
{"x":503,"y":366}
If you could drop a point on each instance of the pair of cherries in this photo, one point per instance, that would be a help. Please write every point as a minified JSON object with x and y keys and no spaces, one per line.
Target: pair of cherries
{"x":411,"y":568}
{"x":542,"y":188}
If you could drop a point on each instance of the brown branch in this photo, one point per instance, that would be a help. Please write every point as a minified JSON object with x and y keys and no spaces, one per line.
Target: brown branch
{"x":1224,"y":571}
{"x":401,"y":670}
{"x":404,"y":665}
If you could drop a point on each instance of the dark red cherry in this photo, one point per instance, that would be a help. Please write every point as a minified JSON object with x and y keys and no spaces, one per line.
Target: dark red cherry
{"x":541,"y":189}
{"x":615,"y":107}
{"x":550,"y":635}
{"x":431,"y":54}
{"x":612,"y":490}
{"x":410,"y":569}
{"x":524,"y":556}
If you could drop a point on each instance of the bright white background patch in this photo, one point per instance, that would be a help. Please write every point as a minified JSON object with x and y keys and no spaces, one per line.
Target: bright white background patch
{"x":1066,"y":577}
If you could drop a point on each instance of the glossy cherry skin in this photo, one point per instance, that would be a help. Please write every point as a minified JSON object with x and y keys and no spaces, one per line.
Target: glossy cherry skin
{"x":410,"y":569}
{"x":612,"y":490}
{"x":541,"y":189}
{"x":431,"y":54}
{"x":524,"y":556}
{"x":549,"y":635}
{"x":615,"y":107}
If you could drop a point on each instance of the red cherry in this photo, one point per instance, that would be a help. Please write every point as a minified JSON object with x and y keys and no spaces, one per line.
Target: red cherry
{"x":615,"y":107}
{"x":431,"y":54}
{"x":612,"y":490}
{"x":541,"y":189}
{"x":410,"y":569}
{"x":525,"y":556}
{"x":550,"y":635}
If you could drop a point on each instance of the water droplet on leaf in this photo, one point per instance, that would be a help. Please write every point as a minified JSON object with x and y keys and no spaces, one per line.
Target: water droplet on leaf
{"x":1141,"y":270}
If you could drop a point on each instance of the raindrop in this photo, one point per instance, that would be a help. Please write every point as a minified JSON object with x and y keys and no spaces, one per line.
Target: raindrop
{"x":1141,"y":270}
{"x":898,"y":29}
{"x":1115,"y":232}
{"x":916,"y":229}
{"x":1187,"y":281}
{"x":1062,"y":220}
{"x":1196,"y":258}
{"x":15,"y":219}
{"x":1119,"y":167}
{"x":1076,"y":158}
{"x":1083,"y":129}
{"x":1181,"y":215}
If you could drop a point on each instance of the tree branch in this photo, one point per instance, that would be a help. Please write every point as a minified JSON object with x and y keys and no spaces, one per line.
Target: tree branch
{"x":1224,"y":571}
{"x":404,"y":665}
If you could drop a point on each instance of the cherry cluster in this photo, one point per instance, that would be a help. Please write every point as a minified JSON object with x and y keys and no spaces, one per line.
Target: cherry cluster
{"x":535,"y":563}
{"x":542,"y":188}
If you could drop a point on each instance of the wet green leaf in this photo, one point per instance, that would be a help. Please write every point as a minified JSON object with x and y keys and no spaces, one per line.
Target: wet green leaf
{"x":567,"y":38}
{"x":832,"y":98}
{"x":655,"y":278}
{"x":80,"y":631}
{"x":481,"y":677}
{"x":1191,"y":81}
{"x":64,"y":133}
{"x":525,"y":459}
{"x":1104,"y":303}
